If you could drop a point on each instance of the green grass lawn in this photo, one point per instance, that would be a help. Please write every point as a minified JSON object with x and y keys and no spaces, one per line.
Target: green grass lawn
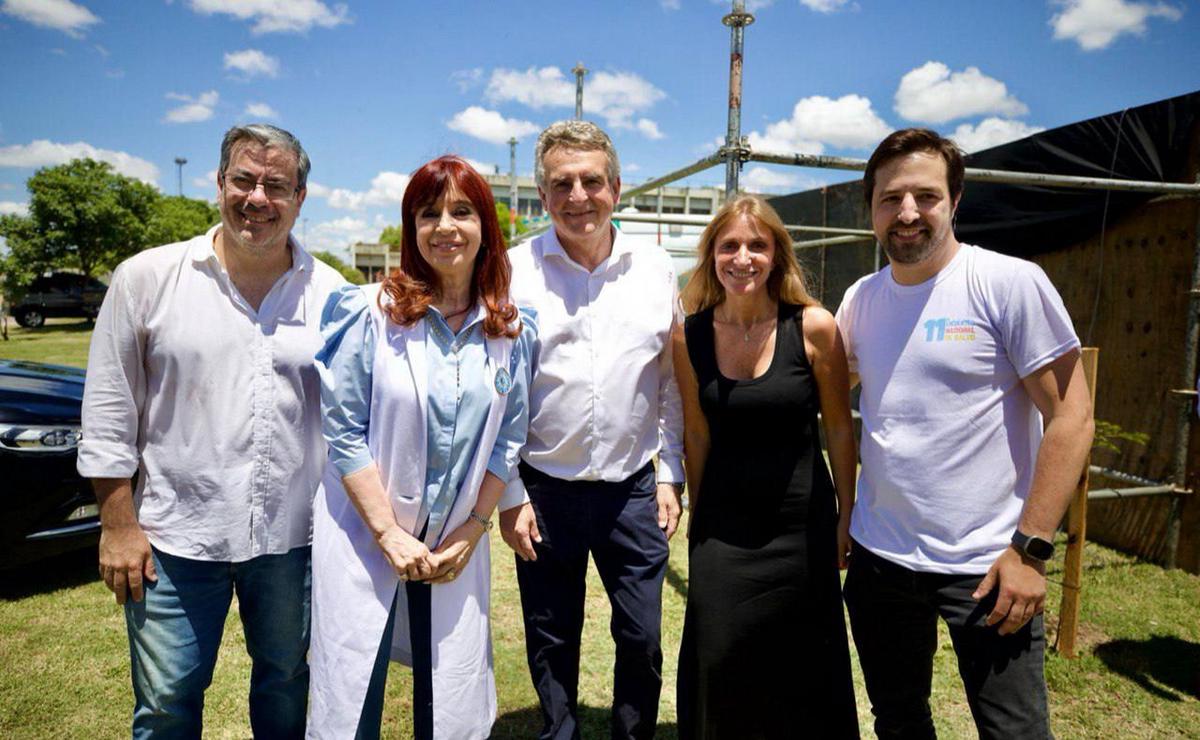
{"x":64,"y":664}
{"x":59,"y":342}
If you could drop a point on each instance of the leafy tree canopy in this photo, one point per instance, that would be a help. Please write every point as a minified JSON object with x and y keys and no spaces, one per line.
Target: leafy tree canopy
{"x":352,"y":275}
{"x":82,"y":215}
{"x":391,"y":235}
{"x":175,"y":218}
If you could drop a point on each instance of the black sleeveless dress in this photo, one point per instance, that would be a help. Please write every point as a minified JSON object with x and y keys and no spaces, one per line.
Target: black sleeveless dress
{"x":764,"y":651}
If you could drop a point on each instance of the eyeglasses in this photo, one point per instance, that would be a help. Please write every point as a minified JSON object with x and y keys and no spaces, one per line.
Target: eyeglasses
{"x":245,"y":185}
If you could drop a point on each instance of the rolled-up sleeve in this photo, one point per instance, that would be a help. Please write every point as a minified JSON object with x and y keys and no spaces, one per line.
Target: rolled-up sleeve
{"x":525,"y":354}
{"x":506,"y":451}
{"x":115,"y":387}
{"x":670,"y":405}
{"x":344,"y":364}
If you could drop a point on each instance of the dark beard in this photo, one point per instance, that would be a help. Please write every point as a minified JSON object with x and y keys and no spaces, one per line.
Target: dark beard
{"x":911,"y":254}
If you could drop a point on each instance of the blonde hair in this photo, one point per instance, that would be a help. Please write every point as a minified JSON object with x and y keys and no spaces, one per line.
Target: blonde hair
{"x":786,"y":282}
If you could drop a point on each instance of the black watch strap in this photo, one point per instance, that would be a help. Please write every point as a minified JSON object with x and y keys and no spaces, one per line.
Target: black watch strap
{"x":1033,"y":546}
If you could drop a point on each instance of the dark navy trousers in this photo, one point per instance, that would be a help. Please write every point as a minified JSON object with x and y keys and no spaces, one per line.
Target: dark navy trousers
{"x":618,"y":524}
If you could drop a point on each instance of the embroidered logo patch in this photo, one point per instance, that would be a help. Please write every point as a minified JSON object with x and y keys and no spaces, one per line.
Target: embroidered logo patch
{"x":503,"y":381}
{"x":949,"y":330}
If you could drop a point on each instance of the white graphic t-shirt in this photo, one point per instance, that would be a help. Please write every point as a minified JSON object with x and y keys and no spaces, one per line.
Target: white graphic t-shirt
{"x":950,"y":436}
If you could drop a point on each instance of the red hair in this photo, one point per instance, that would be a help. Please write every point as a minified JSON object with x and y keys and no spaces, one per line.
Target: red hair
{"x":415,"y":285}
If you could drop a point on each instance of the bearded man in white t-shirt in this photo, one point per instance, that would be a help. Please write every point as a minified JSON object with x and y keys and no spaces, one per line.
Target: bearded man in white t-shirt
{"x":961,"y":352}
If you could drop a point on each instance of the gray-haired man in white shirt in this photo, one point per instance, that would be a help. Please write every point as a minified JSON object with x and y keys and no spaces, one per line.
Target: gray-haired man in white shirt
{"x":603,"y":403}
{"x":201,"y":382}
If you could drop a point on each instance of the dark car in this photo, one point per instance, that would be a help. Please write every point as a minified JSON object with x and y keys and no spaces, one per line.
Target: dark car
{"x":46,"y":508}
{"x":57,"y":295}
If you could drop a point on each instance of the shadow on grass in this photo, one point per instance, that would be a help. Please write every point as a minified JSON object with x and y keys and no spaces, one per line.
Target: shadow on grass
{"x":593,"y":722}
{"x":676,"y":582}
{"x":52,"y":574}
{"x":83,"y":325}
{"x":1163,"y":665}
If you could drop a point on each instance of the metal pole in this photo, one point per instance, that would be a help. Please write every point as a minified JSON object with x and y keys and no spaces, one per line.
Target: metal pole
{"x":975,"y":174}
{"x":698,"y":166}
{"x":512,"y":189}
{"x":1107,"y":493}
{"x":737,"y":21}
{"x":1183,"y":425}
{"x":688,"y":219}
{"x":179,"y":163}
{"x":660,"y":213}
{"x":579,"y":71}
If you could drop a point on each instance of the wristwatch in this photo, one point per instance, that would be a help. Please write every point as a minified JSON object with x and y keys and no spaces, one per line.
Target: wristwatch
{"x":1033,"y":546}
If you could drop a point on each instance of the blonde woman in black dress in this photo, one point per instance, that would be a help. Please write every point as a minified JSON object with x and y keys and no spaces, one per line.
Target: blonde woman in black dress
{"x":764,"y":651}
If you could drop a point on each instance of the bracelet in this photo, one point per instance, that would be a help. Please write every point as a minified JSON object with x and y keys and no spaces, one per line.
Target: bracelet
{"x":485,"y":523}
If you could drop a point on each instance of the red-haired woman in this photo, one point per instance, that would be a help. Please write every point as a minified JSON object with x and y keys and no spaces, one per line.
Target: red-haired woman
{"x":424,"y":394}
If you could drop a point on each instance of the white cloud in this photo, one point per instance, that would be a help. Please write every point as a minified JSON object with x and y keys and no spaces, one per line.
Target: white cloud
{"x":848,"y":122}
{"x":193,"y":110}
{"x":43,"y":153}
{"x":12,"y":208}
{"x":261,"y":110}
{"x":102,"y":51}
{"x":277,"y":16}
{"x":669,"y":4}
{"x":932,"y":93}
{"x":60,"y":15}
{"x":763,"y":180}
{"x":483,"y":168}
{"x":387,"y":188}
{"x":991,"y":132}
{"x":649,"y":128}
{"x":630,"y":167}
{"x":252,"y":63}
{"x":465,"y":79}
{"x":1094,"y":24}
{"x":614,"y":96}
{"x":824,"y":6}
{"x":336,"y":235}
{"x":208,"y":180}
{"x":489,"y":125}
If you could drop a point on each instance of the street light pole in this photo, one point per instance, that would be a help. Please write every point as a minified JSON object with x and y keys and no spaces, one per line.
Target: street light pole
{"x":512,"y":189}
{"x":579,"y":71}
{"x":179,"y":163}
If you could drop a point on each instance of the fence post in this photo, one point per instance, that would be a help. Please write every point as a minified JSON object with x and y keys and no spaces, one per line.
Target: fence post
{"x":1072,"y":582}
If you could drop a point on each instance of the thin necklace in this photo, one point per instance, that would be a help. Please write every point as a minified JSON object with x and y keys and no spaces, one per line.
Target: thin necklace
{"x":747,"y":332}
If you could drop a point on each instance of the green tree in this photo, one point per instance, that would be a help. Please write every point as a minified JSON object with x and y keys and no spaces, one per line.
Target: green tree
{"x":391,"y":235}
{"x":504,"y":216}
{"x":175,"y":218}
{"x":82,"y":215}
{"x":352,"y":275}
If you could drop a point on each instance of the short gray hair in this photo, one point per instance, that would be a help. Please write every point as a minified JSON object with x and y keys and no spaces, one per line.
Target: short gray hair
{"x":266,"y":135}
{"x":574,"y":134}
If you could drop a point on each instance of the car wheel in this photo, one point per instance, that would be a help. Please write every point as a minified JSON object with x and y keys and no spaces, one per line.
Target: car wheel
{"x":30,"y":318}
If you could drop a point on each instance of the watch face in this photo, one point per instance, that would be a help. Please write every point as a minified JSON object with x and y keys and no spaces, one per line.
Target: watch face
{"x":1039,"y":548}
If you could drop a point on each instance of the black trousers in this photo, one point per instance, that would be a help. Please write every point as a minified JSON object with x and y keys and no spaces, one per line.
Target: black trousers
{"x":618,"y":524}
{"x":893,"y":617}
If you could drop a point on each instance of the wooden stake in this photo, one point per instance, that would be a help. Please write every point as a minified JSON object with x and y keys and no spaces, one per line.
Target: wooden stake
{"x":1072,"y":583}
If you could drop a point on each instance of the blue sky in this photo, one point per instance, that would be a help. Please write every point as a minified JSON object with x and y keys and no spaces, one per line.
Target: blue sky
{"x":374,"y":89}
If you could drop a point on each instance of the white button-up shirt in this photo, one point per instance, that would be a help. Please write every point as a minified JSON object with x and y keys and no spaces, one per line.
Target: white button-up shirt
{"x":216,"y":406}
{"x":603,"y":400}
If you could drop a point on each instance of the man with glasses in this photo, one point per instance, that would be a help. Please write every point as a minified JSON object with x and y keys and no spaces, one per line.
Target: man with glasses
{"x":201,"y":383}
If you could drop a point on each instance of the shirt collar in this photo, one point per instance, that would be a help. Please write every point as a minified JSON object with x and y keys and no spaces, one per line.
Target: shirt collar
{"x":622,"y":246}
{"x":201,"y":250}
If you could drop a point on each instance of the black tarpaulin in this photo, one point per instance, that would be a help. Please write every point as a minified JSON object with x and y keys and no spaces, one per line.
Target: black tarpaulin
{"x":1149,"y":142}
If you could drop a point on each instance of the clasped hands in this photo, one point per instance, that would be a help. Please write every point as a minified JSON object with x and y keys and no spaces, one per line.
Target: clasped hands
{"x":414,"y":561}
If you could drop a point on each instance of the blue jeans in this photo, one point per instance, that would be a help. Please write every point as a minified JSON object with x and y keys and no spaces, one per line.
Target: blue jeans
{"x":174,"y":633}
